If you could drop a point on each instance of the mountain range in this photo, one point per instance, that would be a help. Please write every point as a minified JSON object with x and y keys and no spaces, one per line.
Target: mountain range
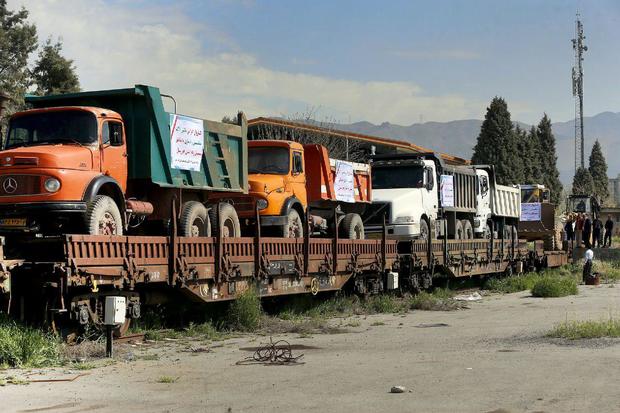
{"x":459,"y":137}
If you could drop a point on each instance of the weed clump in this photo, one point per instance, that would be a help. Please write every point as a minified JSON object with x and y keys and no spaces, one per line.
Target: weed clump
{"x":554,"y":286}
{"x":245,"y":312}
{"x":574,"y":330}
{"x":22,"y":346}
{"x":438,"y":300}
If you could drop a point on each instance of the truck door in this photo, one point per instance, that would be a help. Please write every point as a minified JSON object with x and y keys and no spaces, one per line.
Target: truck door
{"x":298,"y":177}
{"x":430,"y":198}
{"x":114,"y":152}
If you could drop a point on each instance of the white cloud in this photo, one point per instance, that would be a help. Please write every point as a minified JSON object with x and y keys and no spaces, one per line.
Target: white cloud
{"x":207,"y":73}
{"x":455,"y":54}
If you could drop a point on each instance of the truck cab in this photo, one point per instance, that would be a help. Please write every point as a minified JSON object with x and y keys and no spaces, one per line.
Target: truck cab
{"x":296,"y":187}
{"x":55,"y":161}
{"x":405,"y":192}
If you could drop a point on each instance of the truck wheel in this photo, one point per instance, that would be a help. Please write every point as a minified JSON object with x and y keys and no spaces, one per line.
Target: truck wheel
{"x":424,"y":231}
{"x":194,"y":221}
{"x":352,"y":227}
{"x":294,"y":227}
{"x":458,"y":230}
{"x":103,"y":217}
{"x":229,"y":220}
{"x":468,"y":230}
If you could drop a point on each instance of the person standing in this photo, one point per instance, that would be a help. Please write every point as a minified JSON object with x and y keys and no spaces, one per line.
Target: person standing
{"x":597,"y":228}
{"x":587,"y":231}
{"x":609,"y":229}
{"x":579,"y":229}
{"x":568,"y":229}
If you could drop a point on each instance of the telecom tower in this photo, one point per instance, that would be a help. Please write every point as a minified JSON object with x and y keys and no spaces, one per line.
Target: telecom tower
{"x":579,"y":48}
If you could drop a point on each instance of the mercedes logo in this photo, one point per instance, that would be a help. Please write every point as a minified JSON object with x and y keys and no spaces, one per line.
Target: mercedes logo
{"x":9,"y":185}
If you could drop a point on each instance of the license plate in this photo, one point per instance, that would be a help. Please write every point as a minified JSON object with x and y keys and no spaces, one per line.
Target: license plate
{"x":373,"y":235}
{"x":13,"y":222}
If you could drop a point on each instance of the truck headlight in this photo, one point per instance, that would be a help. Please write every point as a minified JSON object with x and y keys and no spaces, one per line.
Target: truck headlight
{"x":407,"y":219}
{"x":52,"y":185}
{"x":262,"y":204}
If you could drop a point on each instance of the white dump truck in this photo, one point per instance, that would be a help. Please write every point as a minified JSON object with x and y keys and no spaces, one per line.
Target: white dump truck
{"x":498,"y":207}
{"x":419,"y":196}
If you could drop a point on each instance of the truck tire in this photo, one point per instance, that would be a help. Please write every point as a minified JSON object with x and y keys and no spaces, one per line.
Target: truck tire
{"x":468,"y":230}
{"x":229,"y":220}
{"x":103,"y":217}
{"x":458,"y":230}
{"x":294,"y":227}
{"x":194,"y":221}
{"x":352,"y":227}
{"x":424,"y":230}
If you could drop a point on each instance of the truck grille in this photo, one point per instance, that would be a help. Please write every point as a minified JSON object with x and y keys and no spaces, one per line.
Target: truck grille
{"x":373,"y":215}
{"x":11,"y":185}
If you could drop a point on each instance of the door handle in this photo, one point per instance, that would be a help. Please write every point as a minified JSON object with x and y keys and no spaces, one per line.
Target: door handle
{"x":125,"y":154}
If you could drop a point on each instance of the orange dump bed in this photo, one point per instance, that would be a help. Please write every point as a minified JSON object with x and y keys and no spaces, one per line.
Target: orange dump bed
{"x":335,"y":180}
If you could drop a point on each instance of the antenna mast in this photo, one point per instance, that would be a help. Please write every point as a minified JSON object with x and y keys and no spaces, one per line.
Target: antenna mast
{"x":579,"y":48}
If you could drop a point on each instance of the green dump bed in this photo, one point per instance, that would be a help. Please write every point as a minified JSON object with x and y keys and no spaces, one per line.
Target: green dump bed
{"x":223,"y":166}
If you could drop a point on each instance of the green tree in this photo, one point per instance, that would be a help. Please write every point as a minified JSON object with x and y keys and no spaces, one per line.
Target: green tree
{"x":497,"y":144}
{"x":18,"y":39}
{"x":532,"y":172}
{"x":548,"y":159}
{"x":52,"y":73}
{"x":583,"y":184}
{"x":598,"y":170}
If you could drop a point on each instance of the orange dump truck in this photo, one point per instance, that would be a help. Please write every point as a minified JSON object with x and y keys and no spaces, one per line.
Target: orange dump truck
{"x":290,"y":182}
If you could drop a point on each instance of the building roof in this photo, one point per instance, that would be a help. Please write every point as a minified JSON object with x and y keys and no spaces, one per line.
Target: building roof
{"x":394,"y":143}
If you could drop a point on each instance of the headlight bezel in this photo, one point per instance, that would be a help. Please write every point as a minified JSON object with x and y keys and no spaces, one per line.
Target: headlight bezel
{"x":405,"y":219}
{"x":52,"y":185}
{"x":262,"y":204}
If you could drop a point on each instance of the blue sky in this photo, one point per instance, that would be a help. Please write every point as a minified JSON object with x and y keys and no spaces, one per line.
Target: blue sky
{"x":397,"y":61}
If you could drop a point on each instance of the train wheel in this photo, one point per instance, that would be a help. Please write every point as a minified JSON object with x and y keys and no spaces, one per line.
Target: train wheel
{"x":194,"y":221}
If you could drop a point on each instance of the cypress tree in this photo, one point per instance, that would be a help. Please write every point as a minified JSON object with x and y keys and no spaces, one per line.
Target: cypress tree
{"x":532,"y":172}
{"x":583,"y":184}
{"x":548,"y":159}
{"x":598,"y":170}
{"x":496,"y":144}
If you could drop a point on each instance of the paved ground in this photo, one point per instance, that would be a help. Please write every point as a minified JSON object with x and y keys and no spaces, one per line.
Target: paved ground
{"x":490,"y":357}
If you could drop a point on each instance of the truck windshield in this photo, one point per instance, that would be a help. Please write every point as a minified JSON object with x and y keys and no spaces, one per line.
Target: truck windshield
{"x":52,"y":127}
{"x":402,"y":176}
{"x":267,"y":160}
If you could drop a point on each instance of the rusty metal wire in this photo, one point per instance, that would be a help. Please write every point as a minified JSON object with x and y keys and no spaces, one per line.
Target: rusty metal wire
{"x":273,"y":353}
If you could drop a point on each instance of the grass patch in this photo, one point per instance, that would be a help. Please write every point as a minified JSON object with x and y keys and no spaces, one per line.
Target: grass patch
{"x":574,"y":330}
{"x":22,"y":346}
{"x":438,"y":300}
{"x":554,"y":286}
{"x":609,"y":271}
{"x":547,"y":283}
{"x":245,"y":312}
{"x":167,"y":379}
{"x":377,"y":323}
{"x":83,"y":366}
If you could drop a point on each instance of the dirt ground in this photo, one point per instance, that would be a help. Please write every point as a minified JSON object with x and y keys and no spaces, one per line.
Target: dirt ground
{"x":490,"y":357}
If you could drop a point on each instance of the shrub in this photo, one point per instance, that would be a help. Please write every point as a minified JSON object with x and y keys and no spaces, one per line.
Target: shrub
{"x":22,"y":346}
{"x":574,"y":330}
{"x":554,"y":286}
{"x":245,"y":312}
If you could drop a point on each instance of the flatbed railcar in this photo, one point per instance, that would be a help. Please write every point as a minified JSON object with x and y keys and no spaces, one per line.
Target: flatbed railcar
{"x":64,"y":280}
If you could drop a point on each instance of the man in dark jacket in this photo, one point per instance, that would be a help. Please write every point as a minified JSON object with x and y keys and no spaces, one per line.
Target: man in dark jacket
{"x":587,"y":232}
{"x":597,"y":233}
{"x":609,"y":229}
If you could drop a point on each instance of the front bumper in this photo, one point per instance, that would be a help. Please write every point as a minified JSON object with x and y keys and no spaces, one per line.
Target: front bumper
{"x":273,"y":220}
{"x":42,"y":216}
{"x":396,"y":231}
{"x":40,"y":208}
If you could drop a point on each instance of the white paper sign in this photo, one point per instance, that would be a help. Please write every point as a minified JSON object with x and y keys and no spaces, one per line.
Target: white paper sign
{"x":344,"y":186}
{"x":530,"y":212}
{"x":447,"y":190}
{"x":187,"y":142}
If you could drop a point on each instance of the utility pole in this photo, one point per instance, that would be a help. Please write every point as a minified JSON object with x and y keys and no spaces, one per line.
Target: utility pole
{"x":579,"y":48}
